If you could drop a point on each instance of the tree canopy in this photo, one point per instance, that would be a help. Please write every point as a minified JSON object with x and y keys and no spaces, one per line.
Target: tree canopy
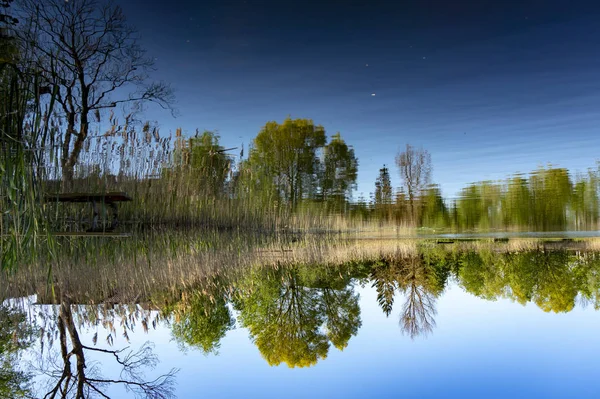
{"x":293,"y":322}
{"x":202,"y":321}
{"x":286,"y":155}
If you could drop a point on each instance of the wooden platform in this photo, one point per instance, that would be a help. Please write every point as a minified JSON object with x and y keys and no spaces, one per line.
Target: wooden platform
{"x":101,"y":204}
{"x":91,"y":234}
{"x":109,"y":197}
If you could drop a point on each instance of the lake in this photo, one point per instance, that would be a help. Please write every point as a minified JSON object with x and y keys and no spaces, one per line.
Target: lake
{"x":419,"y":320}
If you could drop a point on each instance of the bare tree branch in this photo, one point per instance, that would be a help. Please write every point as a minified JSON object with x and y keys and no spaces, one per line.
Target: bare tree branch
{"x":88,"y":52}
{"x":87,"y":380}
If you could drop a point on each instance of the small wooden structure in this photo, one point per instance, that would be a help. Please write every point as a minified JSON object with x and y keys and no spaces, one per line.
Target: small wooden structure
{"x":99,"y":201}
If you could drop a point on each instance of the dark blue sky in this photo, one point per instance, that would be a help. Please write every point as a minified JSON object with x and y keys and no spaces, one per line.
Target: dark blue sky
{"x":489,"y":88}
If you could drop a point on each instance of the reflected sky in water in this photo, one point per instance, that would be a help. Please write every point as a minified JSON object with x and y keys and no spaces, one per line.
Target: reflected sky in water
{"x":478,"y":348}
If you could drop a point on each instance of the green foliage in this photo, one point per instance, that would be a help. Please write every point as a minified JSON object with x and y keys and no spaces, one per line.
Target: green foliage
{"x":16,"y":335}
{"x":551,"y":193}
{"x":433,"y":208}
{"x":479,"y":205}
{"x":516,"y":203}
{"x":546,"y":201}
{"x":339,"y":171}
{"x":383,"y":277}
{"x":293,"y":323}
{"x":285,"y":156}
{"x":550,"y":279}
{"x":201,"y":321}
{"x":481,"y":274}
{"x":210,"y":164}
{"x":383,"y":194}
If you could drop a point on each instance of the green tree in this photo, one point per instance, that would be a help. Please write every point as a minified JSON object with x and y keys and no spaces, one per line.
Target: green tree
{"x":481,"y":273}
{"x":342,"y":315}
{"x":433,"y":209}
{"x":283,"y":319}
{"x":551,"y":190}
{"x":479,"y":205}
{"x":555,"y":286}
{"x":340,"y":170}
{"x":383,"y":277}
{"x":16,"y":335}
{"x":585,"y":205}
{"x":210,"y":164}
{"x":202,"y":321}
{"x":550,"y":279}
{"x":284,"y":156}
{"x":516,"y":203}
{"x":383,"y":193}
{"x":589,"y":279}
{"x":292,"y":316}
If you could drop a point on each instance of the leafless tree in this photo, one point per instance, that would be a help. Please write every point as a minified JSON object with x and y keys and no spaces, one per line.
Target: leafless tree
{"x":414,"y":165}
{"x":90,"y":58}
{"x":418,"y":311}
{"x":77,"y":380}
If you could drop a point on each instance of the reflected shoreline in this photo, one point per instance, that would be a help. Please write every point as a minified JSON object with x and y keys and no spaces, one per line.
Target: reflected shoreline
{"x":294,"y":312}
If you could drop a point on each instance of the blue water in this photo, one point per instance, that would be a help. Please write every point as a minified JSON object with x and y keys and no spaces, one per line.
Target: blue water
{"x":478,"y":349}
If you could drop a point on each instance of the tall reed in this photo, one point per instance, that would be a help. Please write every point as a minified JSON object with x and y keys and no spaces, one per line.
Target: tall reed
{"x":24,"y":129}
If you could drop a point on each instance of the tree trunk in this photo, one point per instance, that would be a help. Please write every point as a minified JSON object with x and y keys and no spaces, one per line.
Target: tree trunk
{"x":67,"y":169}
{"x":70,"y":158}
{"x":77,"y":347}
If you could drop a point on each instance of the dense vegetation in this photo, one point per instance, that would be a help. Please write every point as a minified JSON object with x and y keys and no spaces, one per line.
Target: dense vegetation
{"x":299,"y":308}
{"x":61,"y":130}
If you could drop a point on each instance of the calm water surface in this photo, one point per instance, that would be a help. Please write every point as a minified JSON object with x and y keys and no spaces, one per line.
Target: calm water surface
{"x":472,"y":325}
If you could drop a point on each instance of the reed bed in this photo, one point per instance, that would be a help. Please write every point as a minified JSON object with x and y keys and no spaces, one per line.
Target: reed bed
{"x":102,"y":270}
{"x":168,"y":191}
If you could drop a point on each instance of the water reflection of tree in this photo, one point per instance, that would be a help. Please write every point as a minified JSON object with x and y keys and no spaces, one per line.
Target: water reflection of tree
{"x":420,"y":281}
{"x":293,"y":314}
{"x":553,"y":280}
{"x":16,"y":335}
{"x":201,"y":320}
{"x":72,"y":376}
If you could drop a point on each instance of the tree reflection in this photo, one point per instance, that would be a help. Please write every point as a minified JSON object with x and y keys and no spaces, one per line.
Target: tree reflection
{"x":202,"y":320}
{"x":419,"y":304}
{"x":342,"y":315}
{"x":293,"y":315}
{"x":420,"y":281}
{"x":16,"y":335}
{"x":72,"y":377}
{"x":552,"y":280}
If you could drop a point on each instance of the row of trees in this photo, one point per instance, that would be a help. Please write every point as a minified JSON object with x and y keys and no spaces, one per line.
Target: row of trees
{"x":87,"y":60}
{"x":289,"y":163}
{"x":294,"y":314}
{"x":547,"y":199}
